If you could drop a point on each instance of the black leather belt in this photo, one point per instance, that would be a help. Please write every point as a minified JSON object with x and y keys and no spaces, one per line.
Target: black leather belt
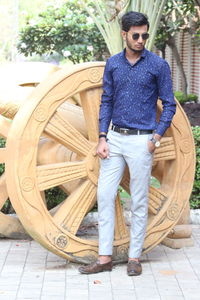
{"x":130,"y":131}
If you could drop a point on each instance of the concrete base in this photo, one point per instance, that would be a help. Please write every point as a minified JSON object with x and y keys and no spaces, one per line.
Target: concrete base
{"x":178,"y":243}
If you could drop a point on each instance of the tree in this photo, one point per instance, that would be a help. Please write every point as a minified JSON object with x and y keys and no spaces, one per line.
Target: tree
{"x":68,"y":31}
{"x":179,"y":15}
{"x":107,"y":14}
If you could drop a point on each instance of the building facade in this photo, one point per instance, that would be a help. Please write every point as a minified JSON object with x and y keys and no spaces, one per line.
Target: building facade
{"x":190,"y":57}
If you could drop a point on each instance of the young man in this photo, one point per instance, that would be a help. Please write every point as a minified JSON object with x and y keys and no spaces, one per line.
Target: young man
{"x":133,"y":81}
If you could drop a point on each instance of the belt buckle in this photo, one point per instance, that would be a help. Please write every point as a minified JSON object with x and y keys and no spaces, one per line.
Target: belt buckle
{"x":124,"y":130}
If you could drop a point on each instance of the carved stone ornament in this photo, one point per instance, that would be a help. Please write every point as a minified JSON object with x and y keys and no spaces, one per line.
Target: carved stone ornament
{"x":27,"y":184}
{"x":94,"y":75}
{"x":122,"y":251}
{"x":61,"y":241}
{"x":40,"y":114}
{"x":185,"y":145}
{"x":173,"y":212}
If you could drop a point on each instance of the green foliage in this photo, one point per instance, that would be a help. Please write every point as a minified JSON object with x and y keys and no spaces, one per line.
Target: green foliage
{"x":54,"y":196}
{"x":182,"y":98}
{"x":178,"y":15}
{"x":195,"y":197}
{"x":67,"y":30}
{"x":192,"y":97}
{"x":2,"y":145}
{"x":2,"y":142}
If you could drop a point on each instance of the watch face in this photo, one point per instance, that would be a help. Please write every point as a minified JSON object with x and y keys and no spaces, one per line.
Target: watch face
{"x":157,"y":144}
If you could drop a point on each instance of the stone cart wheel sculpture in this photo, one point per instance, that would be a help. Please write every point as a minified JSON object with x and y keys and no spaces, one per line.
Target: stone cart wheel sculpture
{"x":174,"y":164}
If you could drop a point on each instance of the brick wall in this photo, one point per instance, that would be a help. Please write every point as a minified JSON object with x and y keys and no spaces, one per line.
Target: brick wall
{"x":190,"y":57}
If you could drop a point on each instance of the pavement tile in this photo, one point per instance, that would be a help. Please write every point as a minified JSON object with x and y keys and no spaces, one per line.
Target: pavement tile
{"x":146,"y":292}
{"x":7,"y":297}
{"x":100,"y":295}
{"x":28,"y":271}
{"x":125,"y":297}
{"x":171,"y":297}
{"x":53,"y":297}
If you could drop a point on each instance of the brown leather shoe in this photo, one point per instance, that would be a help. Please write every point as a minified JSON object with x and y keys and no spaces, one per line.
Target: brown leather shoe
{"x":96,"y":267}
{"x":134,"y":268}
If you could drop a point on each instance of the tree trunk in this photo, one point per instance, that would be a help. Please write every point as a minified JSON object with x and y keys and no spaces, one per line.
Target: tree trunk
{"x":197,"y":2}
{"x":163,"y":51}
{"x":172,"y":44}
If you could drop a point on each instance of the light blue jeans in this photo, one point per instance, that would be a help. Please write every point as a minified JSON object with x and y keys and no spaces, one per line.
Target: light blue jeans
{"x":133,"y":151}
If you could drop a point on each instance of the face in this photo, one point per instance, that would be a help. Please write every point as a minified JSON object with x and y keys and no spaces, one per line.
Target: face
{"x":138,"y":44}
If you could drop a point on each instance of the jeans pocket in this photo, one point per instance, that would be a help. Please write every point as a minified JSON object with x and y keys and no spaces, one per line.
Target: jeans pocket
{"x":147,"y":143}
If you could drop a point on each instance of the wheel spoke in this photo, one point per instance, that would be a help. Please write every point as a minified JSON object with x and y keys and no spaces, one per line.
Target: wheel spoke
{"x":166,"y":151}
{"x":120,"y":225}
{"x":75,"y":207}
{"x":62,"y":131}
{"x":56,"y":174}
{"x":3,"y":190}
{"x":156,"y":200}
{"x":90,"y":102}
{"x":5,"y":126}
{"x":2,"y":155}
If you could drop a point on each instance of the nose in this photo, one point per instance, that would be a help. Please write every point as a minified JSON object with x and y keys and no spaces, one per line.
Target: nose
{"x":140,"y":40}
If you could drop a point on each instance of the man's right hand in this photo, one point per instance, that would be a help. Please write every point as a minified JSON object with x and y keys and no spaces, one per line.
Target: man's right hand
{"x":102,"y":148}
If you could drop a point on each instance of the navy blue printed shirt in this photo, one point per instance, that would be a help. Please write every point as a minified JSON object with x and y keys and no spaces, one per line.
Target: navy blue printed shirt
{"x":130,"y":93}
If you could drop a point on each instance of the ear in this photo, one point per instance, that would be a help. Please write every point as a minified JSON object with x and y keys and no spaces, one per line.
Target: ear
{"x":123,"y":33}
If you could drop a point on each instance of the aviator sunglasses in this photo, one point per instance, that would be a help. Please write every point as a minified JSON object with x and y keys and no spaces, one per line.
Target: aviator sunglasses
{"x":144,"y":36}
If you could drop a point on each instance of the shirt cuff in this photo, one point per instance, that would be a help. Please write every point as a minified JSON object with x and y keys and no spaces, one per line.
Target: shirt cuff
{"x":161,"y":129}
{"x":103,"y":128}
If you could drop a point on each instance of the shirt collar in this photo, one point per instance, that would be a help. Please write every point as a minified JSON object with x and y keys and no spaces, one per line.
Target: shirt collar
{"x":143,"y":54}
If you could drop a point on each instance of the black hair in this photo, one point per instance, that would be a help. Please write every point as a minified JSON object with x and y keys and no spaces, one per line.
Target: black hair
{"x":133,"y":18}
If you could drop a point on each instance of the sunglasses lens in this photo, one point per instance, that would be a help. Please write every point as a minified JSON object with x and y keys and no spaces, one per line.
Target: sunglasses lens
{"x":135,"y":36}
{"x":145,"y":36}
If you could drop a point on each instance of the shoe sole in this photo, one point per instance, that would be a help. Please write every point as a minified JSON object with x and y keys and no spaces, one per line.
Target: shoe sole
{"x":88,"y":273}
{"x":134,"y":274}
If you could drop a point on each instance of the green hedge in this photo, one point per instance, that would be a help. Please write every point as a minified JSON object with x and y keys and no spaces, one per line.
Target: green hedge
{"x":195,"y":197}
{"x":182,"y":98}
{"x":2,"y":145}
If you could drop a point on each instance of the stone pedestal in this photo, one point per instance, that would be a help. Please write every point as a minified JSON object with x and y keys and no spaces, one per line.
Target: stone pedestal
{"x":180,"y":235}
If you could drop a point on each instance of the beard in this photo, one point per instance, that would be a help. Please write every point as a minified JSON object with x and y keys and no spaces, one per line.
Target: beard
{"x":133,"y":49}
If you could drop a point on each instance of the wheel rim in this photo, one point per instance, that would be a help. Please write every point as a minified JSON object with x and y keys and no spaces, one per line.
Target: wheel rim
{"x":26,"y":180}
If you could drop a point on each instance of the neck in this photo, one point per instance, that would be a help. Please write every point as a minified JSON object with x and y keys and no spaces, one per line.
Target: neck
{"x":133,"y":55}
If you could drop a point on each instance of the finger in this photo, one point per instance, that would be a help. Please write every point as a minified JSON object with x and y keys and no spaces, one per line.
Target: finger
{"x":101,"y":155}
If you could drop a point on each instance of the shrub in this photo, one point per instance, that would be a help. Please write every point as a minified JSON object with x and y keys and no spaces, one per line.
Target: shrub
{"x":195,"y":197}
{"x":182,"y":98}
{"x":2,"y":145}
{"x":192,"y":97}
{"x":54,"y":196}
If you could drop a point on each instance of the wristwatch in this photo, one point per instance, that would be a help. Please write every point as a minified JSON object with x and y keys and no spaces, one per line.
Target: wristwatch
{"x":156,"y":143}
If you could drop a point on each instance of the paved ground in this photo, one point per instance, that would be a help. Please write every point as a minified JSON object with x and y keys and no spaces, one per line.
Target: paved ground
{"x":27,"y":271}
